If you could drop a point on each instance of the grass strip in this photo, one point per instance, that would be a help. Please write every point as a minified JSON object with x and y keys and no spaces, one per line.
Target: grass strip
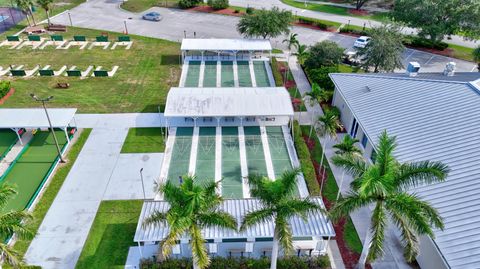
{"x":144,"y":140}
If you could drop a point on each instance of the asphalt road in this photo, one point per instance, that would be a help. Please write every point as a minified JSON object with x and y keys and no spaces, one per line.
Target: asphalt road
{"x":106,"y":15}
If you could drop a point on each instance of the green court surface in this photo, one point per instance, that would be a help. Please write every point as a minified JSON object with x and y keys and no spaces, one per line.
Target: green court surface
{"x":255,"y":155}
{"x":7,"y":139}
{"x":210,"y":74}
{"x":227,"y":74}
{"x":261,"y":75}
{"x":205,"y":168}
{"x":231,"y":167}
{"x":244,"y":77}
{"x":180,"y":160}
{"x":193,"y":74}
{"x":31,"y":168}
{"x":278,"y":150}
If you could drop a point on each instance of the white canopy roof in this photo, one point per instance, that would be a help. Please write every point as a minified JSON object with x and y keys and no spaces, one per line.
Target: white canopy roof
{"x":226,"y":44}
{"x":35,"y":117}
{"x":228,"y":102}
{"x":316,"y":224}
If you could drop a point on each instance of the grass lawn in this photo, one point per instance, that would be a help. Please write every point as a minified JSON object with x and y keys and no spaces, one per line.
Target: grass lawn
{"x":461,"y":52}
{"x":142,"y":5}
{"x":144,"y":140}
{"x":52,"y":189}
{"x":111,"y":235}
{"x":146,"y":73}
{"x":330,"y":190}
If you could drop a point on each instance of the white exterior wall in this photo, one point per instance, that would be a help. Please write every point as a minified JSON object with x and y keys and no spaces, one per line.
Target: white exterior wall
{"x":430,"y":257}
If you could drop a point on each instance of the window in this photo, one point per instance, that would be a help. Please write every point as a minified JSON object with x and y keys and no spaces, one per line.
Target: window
{"x":364,"y":141}
{"x":373,"y":156}
{"x":353,"y":130}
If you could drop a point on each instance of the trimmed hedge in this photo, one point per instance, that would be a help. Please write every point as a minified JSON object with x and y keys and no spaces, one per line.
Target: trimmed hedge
{"x":306,"y":164}
{"x":416,"y":41}
{"x":4,"y":88}
{"x":218,"y":4}
{"x":277,"y":75}
{"x":218,"y":262}
{"x":324,"y":25}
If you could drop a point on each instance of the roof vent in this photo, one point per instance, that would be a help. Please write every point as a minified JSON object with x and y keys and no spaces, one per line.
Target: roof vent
{"x":450,"y":69}
{"x":368,"y":89}
{"x":412,"y":69}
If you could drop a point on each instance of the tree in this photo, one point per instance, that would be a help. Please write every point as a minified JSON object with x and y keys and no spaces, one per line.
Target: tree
{"x":327,"y":126}
{"x":385,"y":184}
{"x":325,"y":53}
{"x":359,"y":4}
{"x":302,"y":53}
{"x":384,"y":51}
{"x":24,"y":6}
{"x":437,"y":18}
{"x":346,"y":148}
{"x":291,"y":41}
{"x":12,"y":222}
{"x":279,"y":205}
{"x":45,"y":4}
{"x":193,"y":207}
{"x":265,"y":23}
{"x":320,"y":76}
{"x":476,"y":56}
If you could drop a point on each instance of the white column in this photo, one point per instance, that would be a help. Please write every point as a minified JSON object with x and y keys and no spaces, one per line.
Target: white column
{"x":219,"y":72}
{"x":66,"y":134}
{"x":252,"y":73}
{"x":266,"y":152}
{"x":243,"y":162}
{"x":183,"y":76}
{"x":270,"y":74}
{"x":218,"y":159}
{"x":18,"y":135}
{"x":235,"y":73}
{"x":194,"y":151}
{"x":202,"y":73}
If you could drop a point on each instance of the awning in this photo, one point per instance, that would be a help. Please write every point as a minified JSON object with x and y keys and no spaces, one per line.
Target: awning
{"x":35,"y":117}
{"x":226,"y":44}
{"x":228,"y":102}
{"x":316,"y":224}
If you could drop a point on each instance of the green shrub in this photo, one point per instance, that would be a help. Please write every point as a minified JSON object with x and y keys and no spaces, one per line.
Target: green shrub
{"x":4,"y":88}
{"x":416,"y":41}
{"x":324,"y":25}
{"x":320,"y":76}
{"x":249,"y":10}
{"x":277,"y":75}
{"x":188,"y":3}
{"x":353,"y":31}
{"x":306,"y":164}
{"x":218,"y":4}
{"x":325,"y":53}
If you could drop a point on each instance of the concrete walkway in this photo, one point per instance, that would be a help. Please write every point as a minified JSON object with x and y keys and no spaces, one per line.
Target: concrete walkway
{"x":393,"y":257}
{"x":119,"y":120}
{"x":458,"y":40}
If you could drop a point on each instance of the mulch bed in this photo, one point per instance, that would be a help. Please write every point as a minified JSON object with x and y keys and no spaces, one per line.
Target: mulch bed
{"x":360,"y":12}
{"x":314,"y":27}
{"x":9,"y":93}
{"x":350,"y":258}
{"x":207,"y":9}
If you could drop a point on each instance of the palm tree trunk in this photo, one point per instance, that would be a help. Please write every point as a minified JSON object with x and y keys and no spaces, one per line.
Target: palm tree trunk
{"x":28,"y":20}
{"x":366,"y":247}
{"x":324,"y":146}
{"x":31,"y":14}
{"x":48,"y":17}
{"x":340,"y":185}
{"x":275,"y":248}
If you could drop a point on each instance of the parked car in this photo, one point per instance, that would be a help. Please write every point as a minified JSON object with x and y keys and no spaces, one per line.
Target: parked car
{"x":361,"y":42}
{"x":152,"y":16}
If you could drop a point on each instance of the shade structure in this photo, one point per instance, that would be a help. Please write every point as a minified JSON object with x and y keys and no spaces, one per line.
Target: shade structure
{"x":194,"y":44}
{"x":228,"y":102}
{"x":35,"y":117}
{"x":316,"y":224}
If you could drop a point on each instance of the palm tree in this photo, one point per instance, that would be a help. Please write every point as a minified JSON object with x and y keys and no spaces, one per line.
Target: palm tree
{"x":24,"y":6}
{"x":385,"y":184}
{"x":45,"y":4}
{"x":302,"y":53}
{"x":291,"y":41}
{"x":12,"y":222}
{"x":346,"y":148}
{"x":327,"y":126}
{"x":279,"y":205}
{"x":476,"y":56}
{"x":193,"y":207}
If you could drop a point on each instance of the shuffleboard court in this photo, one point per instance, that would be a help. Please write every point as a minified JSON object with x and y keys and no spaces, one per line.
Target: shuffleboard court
{"x":261,"y":75}
{"x":278,"y":150}
{"x":193,"y":74}
{"x":8,"y":138}
{"x":227,"y":74}
{"x":32,"y":167}
{"x":210,"y":74}
{"x":255,"y":155}
{"x":180,"y":159}
{"x":244,"y":77}
{"x":231,"y":167}
{"x":205,"y":168}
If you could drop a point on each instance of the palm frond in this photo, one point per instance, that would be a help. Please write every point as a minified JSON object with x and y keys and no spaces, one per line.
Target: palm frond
{"x":348,"y":204}
{"x":157,"y":218}
{"x":288,"y":181}
{"x":258,"y":216}
{"x":13,"y":222}
{"x":217,"y":219}
{"x":6,"y":193}
{"x":199,"y":251}
{"x":409,"y":237}
{"x":418,"y":173}
{"x":299,"y":207}
{"x":10,"y":256}
{"x":379,"y":223}
{"x":284,"y":234}
{"x":353,"y":165}
{"x":170,"y":240}
{"x":347,"y":146}
{"x":385,"y":159}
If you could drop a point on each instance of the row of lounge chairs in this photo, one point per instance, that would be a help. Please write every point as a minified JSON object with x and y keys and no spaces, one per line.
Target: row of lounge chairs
{"x":46,"y":71}
{"x":38,"y":42}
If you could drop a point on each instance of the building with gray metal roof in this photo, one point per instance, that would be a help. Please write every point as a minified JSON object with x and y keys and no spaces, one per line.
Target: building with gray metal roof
{"x":434,"y":117}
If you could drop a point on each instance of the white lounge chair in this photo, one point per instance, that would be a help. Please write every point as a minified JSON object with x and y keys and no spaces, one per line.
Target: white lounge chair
{"x":19,"y":72}
{"x":33,"y":40}
{"x":3,"y":72}
{"x":100,"y":41}
{"x":123,"y":41}
{"x":80,"y":41}
{"x":56,"y":40}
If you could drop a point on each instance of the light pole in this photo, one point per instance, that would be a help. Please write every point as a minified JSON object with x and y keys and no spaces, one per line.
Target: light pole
{"x":143,"y":186}
{"x":44,"y":100}
{"x":70,"y":18}
{"x":126,"y":29}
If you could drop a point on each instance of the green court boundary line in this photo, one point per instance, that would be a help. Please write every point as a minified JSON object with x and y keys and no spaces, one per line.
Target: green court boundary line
{"x":8,"y":149}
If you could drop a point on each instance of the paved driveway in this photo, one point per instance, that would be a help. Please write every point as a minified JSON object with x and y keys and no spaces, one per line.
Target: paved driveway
{"x":105,"y":15}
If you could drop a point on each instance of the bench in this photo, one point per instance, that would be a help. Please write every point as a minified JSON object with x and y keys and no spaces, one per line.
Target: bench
{"x":46,"y":72}
{"x":57,"y":28}
{"x":74,"y":73}
{"x":34,"y":38}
